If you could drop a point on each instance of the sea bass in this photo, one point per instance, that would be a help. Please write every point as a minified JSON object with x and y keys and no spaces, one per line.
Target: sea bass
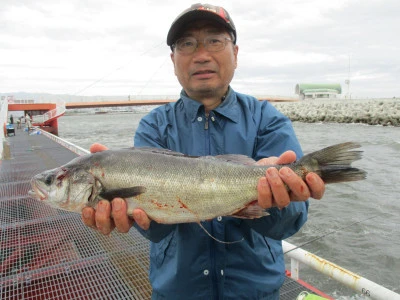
{"x":175,"y":188}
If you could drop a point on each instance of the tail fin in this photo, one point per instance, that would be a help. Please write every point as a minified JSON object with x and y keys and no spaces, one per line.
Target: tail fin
{"x":333,"y":163}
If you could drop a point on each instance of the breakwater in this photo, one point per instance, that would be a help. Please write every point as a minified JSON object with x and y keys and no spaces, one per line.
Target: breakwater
{"x":384,"y":112}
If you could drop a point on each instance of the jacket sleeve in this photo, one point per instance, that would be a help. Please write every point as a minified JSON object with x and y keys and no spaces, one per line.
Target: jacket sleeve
{"x":150,"y":131}
{"x":148,"y":135}
{"x":275,"y":136}
{"x":281,"y":224}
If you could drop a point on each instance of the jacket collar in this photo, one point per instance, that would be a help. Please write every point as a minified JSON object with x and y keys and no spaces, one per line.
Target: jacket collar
{"x":228,"y":108}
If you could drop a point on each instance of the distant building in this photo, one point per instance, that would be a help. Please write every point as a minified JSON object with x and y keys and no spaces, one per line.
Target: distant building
{"x":318,"y":90}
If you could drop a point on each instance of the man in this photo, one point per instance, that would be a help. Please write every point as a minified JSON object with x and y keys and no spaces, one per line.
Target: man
{"x":19,"y":121}
{"x":28,"y":122}
{"x":210,"y":118}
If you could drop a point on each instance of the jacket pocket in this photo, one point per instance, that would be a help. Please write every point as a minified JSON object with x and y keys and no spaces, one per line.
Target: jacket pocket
{"x":160,"y":250}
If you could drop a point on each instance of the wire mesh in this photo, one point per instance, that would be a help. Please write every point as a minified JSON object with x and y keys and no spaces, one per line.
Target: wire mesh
{"x":46,"y":253}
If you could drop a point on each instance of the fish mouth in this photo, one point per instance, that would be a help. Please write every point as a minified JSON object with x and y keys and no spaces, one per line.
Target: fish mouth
{"x":37,"y":192}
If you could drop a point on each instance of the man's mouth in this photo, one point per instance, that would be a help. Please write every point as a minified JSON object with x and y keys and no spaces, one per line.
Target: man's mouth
{"x":203,"y":75}
{"x":201,"y":72}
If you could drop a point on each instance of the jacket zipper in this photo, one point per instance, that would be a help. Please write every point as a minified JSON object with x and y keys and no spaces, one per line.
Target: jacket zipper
{"x":207,"y":134}
{"x":212,"y":250}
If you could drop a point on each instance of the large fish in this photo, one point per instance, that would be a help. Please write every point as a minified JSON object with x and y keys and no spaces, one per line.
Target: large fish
{"x":174,"y":188}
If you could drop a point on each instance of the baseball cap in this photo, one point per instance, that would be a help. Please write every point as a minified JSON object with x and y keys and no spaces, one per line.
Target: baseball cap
{"x":200,"y":11}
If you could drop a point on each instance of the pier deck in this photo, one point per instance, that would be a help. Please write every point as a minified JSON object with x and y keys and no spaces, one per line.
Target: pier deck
{"x":46,"y":253}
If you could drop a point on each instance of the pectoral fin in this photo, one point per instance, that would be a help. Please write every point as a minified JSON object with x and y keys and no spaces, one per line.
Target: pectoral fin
{"x":251,"y":211}
{"x":122,"y":193}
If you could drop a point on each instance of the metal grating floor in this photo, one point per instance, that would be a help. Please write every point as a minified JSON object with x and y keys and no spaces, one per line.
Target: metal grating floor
{"x":47,"y":253}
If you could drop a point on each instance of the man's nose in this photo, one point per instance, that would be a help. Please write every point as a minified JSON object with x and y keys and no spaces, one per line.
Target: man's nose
{"x":200,"y":49}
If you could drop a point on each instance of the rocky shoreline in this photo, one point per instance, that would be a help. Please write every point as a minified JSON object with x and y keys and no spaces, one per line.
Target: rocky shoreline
{"x":384,"y":112}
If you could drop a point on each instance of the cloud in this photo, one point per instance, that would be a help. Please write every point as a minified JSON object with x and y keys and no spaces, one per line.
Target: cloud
{"x":118,"y":47}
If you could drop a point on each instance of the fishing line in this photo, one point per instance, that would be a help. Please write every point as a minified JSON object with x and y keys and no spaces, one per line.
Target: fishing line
{"x":152,"y":76}
{"x":117,"y":69}
{"x":328,"y":233}
{"x":219,"y":241}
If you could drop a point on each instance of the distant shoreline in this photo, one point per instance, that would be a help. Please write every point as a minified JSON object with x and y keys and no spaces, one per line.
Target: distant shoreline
{"x":384,"y":112}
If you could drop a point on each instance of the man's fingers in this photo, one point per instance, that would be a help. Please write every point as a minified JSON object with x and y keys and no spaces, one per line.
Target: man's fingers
{"x":141,"y":219}
{"x":286,"y":158}
{"x":121,"y":219}
{"x":108,"y":216}
{"x":278,"y":188}
{"x":96,"y":147}
{"x":88,"y":217}
{"x":103,"y":221}
{"x":299,"y":190}
{"x":316,"y":185}
{"x":267,"y":161}
{"x":264,"y":193}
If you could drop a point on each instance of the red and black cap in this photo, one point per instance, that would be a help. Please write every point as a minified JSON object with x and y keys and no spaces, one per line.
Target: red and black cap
{"x":200,"y":11}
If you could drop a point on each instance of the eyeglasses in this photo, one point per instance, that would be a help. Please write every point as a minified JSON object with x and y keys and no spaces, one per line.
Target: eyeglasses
{"x":212,"y":43}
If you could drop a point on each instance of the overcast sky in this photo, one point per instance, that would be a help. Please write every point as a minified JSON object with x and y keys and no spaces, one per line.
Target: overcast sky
{"x":109,"y":47}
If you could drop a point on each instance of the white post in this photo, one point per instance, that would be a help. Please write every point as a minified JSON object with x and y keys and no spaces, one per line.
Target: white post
{"x":294,"y":269}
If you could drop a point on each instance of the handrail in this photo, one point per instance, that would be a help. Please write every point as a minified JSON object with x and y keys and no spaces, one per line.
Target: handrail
{"x":72,"y":147}
{"x":51,"y":114}
{"x":346,"y":277}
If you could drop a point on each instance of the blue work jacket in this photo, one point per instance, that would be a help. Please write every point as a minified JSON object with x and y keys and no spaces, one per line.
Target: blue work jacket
{"x":185,"y":263}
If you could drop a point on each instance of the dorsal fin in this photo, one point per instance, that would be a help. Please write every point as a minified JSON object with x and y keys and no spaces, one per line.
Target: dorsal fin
{"x":162,"y":151}
{"x":235,"y":158}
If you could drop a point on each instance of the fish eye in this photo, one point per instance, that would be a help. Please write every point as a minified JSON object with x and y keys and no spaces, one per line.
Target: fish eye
{"x":48,"y":180}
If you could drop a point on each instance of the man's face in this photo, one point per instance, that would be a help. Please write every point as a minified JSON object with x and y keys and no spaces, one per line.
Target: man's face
{"x":205,"y":74}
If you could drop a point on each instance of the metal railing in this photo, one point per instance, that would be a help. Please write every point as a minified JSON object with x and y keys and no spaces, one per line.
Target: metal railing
{"x":51,"y":114}
{"x":346,"y":277}
{"x":70,"y":146}
{"x":24,"y":101}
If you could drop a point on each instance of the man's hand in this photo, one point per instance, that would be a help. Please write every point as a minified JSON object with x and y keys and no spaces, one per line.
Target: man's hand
{"x":100,"y":218}
{"x":272,"y":190}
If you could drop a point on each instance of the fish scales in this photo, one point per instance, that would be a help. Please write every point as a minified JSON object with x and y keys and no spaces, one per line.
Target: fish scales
{"x":173,"y":188}
{"x":178,"y":188}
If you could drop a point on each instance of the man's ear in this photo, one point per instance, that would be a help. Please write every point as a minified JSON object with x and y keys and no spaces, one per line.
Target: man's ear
{"x":172,"y":55}
{"x":235,"y":53}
